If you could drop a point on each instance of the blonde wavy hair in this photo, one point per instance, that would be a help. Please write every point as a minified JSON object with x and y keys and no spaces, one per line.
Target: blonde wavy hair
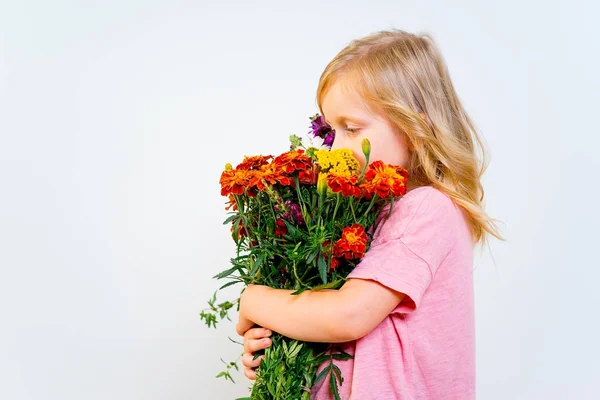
{"x":404,"y":77}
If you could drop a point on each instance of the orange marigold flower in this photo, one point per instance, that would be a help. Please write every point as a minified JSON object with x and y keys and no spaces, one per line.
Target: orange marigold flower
{"x":353,"y":243}
{"x":231,"y":203}
{"x":384,"y":180}
{"x":254,"y":162}
{"x":344,"y":184}
{"x":292,"y":161}
{"x":270,"y":174}
{"x":235,"y":181}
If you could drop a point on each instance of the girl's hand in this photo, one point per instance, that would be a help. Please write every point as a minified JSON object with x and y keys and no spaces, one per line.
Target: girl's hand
{"x":255,"y":339}
{"x":243,"y":322}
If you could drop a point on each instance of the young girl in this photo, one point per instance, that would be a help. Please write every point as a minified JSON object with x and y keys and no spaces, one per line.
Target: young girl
{"x":406,"y":312}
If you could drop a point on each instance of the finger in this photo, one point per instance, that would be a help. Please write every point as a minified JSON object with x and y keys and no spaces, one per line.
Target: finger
{"x":257,"y":333}
{"x":249,"y":362}
{"x":251,"y":346}
{"x":250,"y":374}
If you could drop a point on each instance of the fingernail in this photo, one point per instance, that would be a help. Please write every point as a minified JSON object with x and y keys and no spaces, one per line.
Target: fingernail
{"x":266,"y":341}
{"x":268,"y":333}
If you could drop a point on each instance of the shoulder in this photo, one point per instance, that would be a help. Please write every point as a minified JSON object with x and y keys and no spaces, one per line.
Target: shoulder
{"x":425,"y":219}
{"x":423,"y":207}
{"x":423,"y":226}
{"x":426,"y":198}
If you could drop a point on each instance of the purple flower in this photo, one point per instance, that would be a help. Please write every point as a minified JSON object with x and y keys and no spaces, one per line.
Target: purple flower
{"x":329,"y":139}
{"x":291,"y":210}
{"x":297,"y":213}
{"x":320,"y":128}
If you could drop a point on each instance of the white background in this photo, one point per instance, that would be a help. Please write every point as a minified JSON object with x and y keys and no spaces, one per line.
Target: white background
{"x":117,"y":117}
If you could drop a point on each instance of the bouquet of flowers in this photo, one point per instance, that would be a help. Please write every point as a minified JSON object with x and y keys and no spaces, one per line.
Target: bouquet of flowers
{"x":301,"y":220}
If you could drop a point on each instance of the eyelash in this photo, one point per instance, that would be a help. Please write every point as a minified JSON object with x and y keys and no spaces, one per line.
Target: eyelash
{"x":352,"y":131}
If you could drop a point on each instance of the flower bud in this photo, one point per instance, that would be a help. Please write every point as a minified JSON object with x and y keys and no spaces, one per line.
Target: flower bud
{"x":366,"y":147}
{"x":322,"y":183}
{"x":228,"y":167}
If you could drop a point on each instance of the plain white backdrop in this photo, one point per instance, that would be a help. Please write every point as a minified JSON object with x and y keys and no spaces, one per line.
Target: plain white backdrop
{"x":117,"y":117}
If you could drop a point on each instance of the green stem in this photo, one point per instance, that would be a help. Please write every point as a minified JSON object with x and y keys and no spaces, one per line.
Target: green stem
{"x":352,"y":209}
{"x":337,"y":204}
{"x":302,"y":202}
{"x":272,"y":209}
{"x":364,"y":168}
{"x":371,"y":204}
{"x":296,"y":275}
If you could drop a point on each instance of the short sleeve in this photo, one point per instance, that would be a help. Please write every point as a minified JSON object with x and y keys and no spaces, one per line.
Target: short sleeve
{"x":410,"y":245}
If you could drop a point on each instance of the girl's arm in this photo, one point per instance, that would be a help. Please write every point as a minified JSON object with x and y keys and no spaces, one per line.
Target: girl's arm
{"x":329,"y":316}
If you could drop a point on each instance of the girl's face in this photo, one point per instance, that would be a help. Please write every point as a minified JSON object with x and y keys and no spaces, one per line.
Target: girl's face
{"x":353,"y":121}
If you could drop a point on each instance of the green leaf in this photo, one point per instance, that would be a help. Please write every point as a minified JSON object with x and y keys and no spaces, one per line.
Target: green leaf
{"x":236,"y":342}
{"x":334,"y":387}
{"x":312,"y":256}
{"x":230,"y":218}
{"x":322,"y":374}
{"x":342,"y":356}
{"x":297,"y":292}
{"x":257,"y":264}
{"x":323,"y":268}
{"x":229,"y":284}
{"x":295,"y":349}
{"x":338,"y":373}
{"x":227,"y":272}
{"x":329,"y":285}
{"x":234,"y":234}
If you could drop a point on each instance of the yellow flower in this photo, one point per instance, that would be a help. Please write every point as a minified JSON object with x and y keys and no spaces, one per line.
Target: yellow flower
{"x":339,"y":162}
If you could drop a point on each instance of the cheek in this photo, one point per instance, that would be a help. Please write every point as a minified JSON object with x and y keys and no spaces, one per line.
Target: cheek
{"x":393,"y":152}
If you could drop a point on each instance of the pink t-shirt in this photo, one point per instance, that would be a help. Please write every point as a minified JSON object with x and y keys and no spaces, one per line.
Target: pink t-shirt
{"x":425,"y":348}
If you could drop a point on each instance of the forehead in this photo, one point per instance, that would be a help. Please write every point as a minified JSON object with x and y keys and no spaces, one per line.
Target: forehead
{"x":341,"y":101}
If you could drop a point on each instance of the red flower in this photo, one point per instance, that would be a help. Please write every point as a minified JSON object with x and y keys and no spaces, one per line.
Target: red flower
{"x":335,"y":262}
{"x":384,"y":180}
{"x":346,"y":185}
{"x":294,"y":160}
{"x":280,"y":228}
{"x":308,"y":176}
{"x":254,"y":162}
{"x":353,"y":243}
